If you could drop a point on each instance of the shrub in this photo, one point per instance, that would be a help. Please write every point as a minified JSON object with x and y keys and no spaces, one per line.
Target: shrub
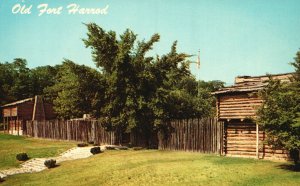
{"x":95,"y":150}
{"x":22,"y":156}
{"x":110,"y":148}
{"x":82,"y":145}
{"x":50,"y":163}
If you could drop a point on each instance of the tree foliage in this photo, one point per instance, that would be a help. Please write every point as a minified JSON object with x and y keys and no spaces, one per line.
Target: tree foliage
{"x":15,"y":81}
{"x":130,"y":89}
{"x":279,"y":115}
{"x":77,"y":90}
{"x":144,"y":92}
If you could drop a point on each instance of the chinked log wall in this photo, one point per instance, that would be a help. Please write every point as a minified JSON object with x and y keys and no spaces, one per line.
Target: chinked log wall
{"x":197,"y":135}
{"x":76,"y":130}
{"x":238,"y":106}
{"x":241,"y":141}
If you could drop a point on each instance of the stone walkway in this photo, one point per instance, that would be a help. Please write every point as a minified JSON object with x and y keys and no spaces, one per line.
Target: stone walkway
{"x":37,"y":164}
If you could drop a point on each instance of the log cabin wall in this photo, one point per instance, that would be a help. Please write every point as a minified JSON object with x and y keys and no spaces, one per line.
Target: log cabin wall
{"x":11,"y":111}
{"x":237,"y":106}
{"x":15,"y":114}
{"x":49,"y":111}
{"x":241,"y":141}
{"x":25,"y":110}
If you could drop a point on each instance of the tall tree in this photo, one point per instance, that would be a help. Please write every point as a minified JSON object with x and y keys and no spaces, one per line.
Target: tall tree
{"x":142,"y":92}
{"x":279,"y":115}
{"x":126,"y":72}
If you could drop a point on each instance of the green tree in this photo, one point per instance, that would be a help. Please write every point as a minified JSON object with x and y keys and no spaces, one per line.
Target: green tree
{"x":279,"y":115}
{"x":76,"y":91}
{"x":15,"y":81}
{"x":127,"y":75}
{"x":176,"y":88}
{"x":143,"y":92}
{"x":42,"y":77}
{"x":6,"y":82}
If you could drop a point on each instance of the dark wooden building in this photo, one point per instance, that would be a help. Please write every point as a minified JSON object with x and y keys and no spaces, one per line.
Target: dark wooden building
{"x":237,"y":106}
{"x":15,"y":114}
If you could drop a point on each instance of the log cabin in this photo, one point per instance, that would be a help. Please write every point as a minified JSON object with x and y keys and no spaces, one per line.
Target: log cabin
{"x":15,"y":114}
{"x":237,"y":106}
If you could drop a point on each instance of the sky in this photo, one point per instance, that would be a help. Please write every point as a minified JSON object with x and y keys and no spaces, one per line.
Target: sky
{"x":250,"y":37}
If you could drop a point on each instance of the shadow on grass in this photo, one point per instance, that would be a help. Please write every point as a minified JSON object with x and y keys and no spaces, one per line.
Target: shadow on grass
{"x":290,"y":167}
{"x":55,"y":166}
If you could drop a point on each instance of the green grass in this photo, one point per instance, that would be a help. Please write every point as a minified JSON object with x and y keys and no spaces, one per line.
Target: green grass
{"x":35,"y":148}
{"x":153,"y":167}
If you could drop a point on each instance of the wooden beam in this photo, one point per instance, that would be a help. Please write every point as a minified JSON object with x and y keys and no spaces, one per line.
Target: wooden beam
{"x":34,"y":108}
{"x":257,"y":141}
{"x":4,"y":127}
{"x":7,"y":124}
{"x":217,"y":106}
{"x":17,"y":121}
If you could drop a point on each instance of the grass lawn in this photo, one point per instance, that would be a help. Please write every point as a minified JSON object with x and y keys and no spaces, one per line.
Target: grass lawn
{"x":35,"y":148}
{"x":153,"y":167}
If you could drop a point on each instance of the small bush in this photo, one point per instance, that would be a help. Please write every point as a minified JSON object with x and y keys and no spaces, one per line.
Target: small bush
{"x":95,"y":150}
{"x":50,"y":163}
{"x":137,"y":148}
{"x":82,"y":145}
{"x":22,"y":156}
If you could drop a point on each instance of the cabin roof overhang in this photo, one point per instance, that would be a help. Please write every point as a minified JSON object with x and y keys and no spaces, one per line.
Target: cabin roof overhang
{"x":17,"y":102}
{"x":240,"y":89}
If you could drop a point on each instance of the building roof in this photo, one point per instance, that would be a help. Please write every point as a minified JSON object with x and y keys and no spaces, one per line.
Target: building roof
{"x":17,"y":102}
{"x":252,"y":83}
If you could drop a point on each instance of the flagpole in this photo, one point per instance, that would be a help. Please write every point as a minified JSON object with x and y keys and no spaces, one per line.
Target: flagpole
{"x":198,"y":67}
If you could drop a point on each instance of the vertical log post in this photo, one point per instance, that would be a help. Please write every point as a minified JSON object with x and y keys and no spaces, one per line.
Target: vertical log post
{"x":12,"y":124}
{"x":18,"y":125}
{"x":257,"y":141}
{"x":4,"y":127}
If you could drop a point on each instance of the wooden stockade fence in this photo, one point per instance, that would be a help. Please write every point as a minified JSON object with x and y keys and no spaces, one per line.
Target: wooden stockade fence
{"x":76,"y":130}
{"x":198,"y":135}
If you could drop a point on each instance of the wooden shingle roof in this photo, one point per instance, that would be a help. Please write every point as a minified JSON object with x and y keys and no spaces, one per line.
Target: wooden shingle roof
{"x":252,"y":83}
